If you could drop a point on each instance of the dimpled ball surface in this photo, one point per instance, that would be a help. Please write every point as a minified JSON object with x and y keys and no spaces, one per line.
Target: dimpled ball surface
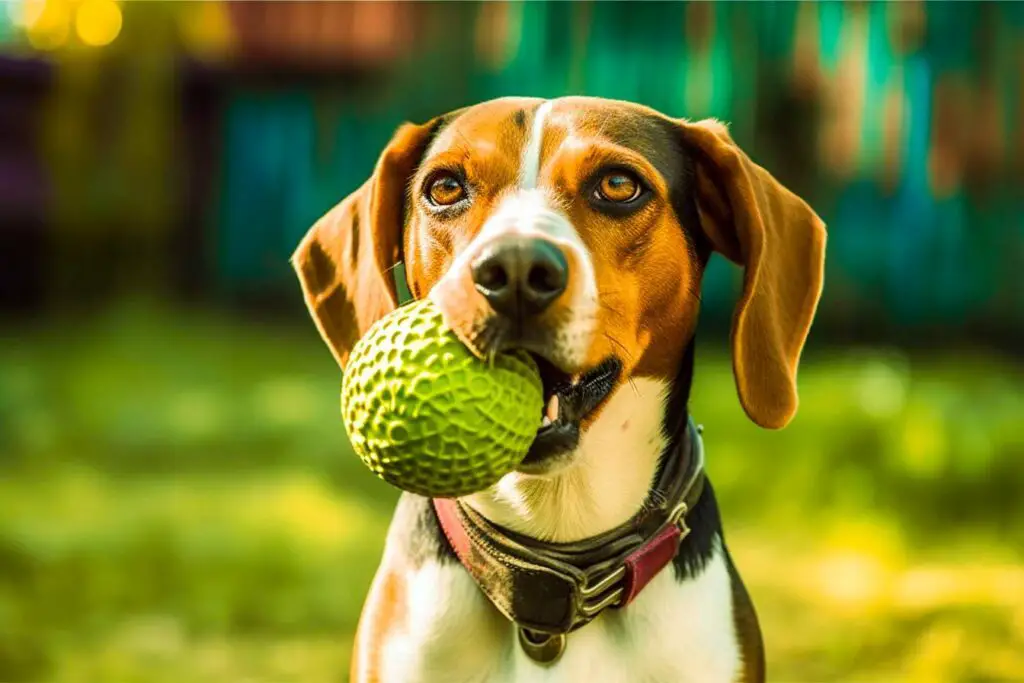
{"x":427,"y":416}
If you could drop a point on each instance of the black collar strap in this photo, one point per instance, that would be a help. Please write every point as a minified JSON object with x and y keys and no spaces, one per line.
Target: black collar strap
{"x":552,"y":589}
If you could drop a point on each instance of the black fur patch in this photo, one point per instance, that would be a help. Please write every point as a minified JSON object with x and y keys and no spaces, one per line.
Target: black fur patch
{"x":697,"y":548}
{"x":415,"y":529}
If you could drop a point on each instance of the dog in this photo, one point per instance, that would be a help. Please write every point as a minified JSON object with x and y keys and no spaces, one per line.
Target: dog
{"x":577,"y":229}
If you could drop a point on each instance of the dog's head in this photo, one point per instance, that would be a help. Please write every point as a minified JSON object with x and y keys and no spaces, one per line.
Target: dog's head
{"x":578,"y":229}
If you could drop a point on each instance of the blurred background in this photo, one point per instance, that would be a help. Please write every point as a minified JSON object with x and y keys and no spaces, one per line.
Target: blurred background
{"x":177,"y":499}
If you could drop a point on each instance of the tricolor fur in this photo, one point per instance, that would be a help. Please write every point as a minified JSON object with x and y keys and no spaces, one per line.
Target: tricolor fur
{"x":529,"y":168}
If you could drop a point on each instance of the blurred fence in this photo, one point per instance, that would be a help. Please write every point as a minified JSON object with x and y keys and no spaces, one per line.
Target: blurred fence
{"x":900,"y":122}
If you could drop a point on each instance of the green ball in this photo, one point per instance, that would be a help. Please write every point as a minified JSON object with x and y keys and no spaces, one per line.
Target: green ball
{"x":428,"y":416}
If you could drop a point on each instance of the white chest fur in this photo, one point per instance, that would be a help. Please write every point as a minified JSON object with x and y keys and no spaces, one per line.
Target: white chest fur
{"x":607,"y":482}
{"x":675,"y":632}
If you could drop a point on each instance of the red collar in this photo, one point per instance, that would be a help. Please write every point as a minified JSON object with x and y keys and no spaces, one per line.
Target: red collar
{"x":551,"y":589}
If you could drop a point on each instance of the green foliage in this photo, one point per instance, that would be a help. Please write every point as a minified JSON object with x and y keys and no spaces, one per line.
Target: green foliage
{"x":177,"y":503}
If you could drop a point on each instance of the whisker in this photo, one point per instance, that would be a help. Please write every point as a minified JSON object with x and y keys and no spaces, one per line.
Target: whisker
{"x":612,"y":309}
{"x":619,"y":345}
{"x":615,"y":342}
{"x":627,"y":357}
{"x":462,"y":136}
{"x":603,"y":297}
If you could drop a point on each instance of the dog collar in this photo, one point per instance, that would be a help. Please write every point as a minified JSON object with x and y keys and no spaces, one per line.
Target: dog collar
{"x":551,"y":589}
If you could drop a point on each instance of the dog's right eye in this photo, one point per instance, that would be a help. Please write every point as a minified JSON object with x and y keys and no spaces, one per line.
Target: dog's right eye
{"x":445,"y":189}
{"x":618,"y":187}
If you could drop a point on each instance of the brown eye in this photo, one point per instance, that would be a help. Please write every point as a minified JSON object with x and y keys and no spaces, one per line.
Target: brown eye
{"x":618,"y":187}
{"x":445,"y":190}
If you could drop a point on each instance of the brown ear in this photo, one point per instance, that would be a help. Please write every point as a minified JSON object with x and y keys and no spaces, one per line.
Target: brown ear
{"x":344,"y":262}
{"x":756,"y":222}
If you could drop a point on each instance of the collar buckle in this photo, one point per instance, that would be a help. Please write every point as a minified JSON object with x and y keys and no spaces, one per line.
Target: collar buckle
{"x":678,"y":518}
{"x":605,"y":593}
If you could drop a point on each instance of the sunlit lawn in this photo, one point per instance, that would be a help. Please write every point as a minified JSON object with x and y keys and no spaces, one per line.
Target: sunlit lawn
{"x":177,"y":504}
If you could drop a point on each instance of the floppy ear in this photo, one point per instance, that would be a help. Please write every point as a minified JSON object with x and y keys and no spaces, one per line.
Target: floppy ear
{"x":755,"y":222}
{"x":344,"y":262}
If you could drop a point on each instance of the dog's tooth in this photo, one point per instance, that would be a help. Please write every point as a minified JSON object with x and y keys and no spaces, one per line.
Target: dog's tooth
{"x":545,"y":422}
{"x":551,"y":413}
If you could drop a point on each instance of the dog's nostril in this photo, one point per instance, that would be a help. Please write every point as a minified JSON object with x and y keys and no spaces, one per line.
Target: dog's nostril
{"x":543,"y":278}
{"x":521,"y":277}
{"x":492,"y":275}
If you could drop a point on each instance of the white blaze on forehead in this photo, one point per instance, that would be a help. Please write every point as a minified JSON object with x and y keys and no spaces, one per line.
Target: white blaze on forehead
{"x":530,"y":167}
{"x":532,"y":213}
{"x":531,"y":210}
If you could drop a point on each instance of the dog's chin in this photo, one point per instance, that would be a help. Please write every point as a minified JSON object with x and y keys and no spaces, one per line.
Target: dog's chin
{"x":568,"y":401}
{"x":552,"y":451}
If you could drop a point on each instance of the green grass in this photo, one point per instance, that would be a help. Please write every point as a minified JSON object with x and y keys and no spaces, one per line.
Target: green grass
{"x":177,"y":503}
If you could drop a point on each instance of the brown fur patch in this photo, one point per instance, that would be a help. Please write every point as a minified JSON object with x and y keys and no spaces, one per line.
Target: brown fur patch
{"x":748,"y":630}
{"x":383,"y":614}
{"x":645,"y":271}
{"x":484,"y":145}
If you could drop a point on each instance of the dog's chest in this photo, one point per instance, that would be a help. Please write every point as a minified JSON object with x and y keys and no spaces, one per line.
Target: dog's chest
{"x":675,"y":632}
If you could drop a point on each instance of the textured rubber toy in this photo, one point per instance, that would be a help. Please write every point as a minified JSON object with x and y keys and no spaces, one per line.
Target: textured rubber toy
{"x":427,"y":416}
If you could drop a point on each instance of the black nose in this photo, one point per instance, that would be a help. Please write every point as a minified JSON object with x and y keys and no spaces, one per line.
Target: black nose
{"x":521,"y":275}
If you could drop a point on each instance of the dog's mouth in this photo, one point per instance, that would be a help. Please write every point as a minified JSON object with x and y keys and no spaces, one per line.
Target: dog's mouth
{"x":568,"y":400}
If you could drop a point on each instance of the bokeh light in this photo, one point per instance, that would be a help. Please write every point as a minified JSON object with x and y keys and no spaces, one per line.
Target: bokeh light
{"x":98,"y":22}
{"x":23,"y":13}
{"x":47,"y":24}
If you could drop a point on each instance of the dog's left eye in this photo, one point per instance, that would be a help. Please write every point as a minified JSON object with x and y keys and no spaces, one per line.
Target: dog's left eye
{"x":618,"y":187}
{"x":445,"y":190}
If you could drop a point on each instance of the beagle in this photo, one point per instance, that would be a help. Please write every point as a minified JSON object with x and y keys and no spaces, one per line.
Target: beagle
{"x":577,"y":229}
